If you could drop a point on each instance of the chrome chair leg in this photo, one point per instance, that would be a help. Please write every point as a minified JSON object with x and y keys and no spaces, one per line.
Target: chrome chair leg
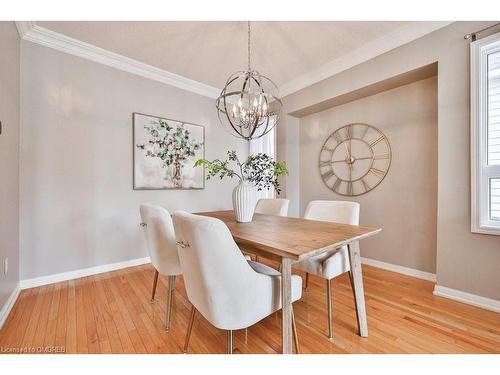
{"x":229,"y":341}
{"x":189,"y":329}
{"x":155,"y":281}
{"x":354,"y":296}
{"x":295,"y":337}
{"x":330,"y":309}
{"x":168,"y":318}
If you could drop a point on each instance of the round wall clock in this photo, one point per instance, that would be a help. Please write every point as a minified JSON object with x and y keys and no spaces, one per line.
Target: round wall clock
{"x":354,"y":159}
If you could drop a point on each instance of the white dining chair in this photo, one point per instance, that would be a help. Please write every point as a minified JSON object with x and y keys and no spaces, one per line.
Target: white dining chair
{"x":160,"y":239}
{"x":230,"y":292}
{"x":333,"y":263}
{"x":272,"y":206}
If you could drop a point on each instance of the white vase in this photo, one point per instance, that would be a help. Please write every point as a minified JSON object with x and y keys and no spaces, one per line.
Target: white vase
{"x":244,"y":201}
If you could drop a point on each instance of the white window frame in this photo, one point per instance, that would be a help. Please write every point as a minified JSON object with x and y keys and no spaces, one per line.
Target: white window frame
{"x":266,"y":145}
{"x":481,"y":172}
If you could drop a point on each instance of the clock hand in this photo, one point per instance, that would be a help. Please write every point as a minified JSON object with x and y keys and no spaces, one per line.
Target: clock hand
{"x":348,"y":154}
{"x":367,"y":157}
{"x":350,"y":148}
{"x":348,"y":157}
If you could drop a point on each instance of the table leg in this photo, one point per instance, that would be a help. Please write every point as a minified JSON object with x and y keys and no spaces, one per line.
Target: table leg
{"x":286,"y":305}
{"x":359,"y":294}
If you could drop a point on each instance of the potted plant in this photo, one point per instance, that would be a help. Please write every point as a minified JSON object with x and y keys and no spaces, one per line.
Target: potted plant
{"x":258,"y":171}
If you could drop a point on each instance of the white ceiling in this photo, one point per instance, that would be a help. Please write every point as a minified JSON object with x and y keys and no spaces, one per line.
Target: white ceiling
{"x":209,"y":51}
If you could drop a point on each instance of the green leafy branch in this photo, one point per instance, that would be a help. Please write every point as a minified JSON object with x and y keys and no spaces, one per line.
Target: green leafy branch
{"x":261,"y":170}
{"x":172,"y":145}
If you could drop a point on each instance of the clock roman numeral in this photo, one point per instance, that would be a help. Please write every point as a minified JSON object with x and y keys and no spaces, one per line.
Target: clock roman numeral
{"x":336,"y":185}
{"x":349,"y":188}
{"x":348,"y":131}
{"x":376,"y":141}
{"x":337,"y":136}
{"x":327,"y":175}
{"x":328,"y":149}
{"x":381,"y":156}
{"x":377,"y":172}
{"x":325,"y":163}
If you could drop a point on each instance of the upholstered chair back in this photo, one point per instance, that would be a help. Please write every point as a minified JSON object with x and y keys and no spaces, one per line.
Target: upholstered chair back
{"x":219,"y":282}
{"x":343,"y":212}
{"x":160,"y":239}
{"x":272,"y":206}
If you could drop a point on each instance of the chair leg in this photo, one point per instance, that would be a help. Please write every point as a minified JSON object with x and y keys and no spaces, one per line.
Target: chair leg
{"x":330,"y":308}
{"x":155,"y":281}
{"x":307,"y":281}
{"x":295,"y":337}
{"x":256,"y":258}
{"x":189,"y":329}
{"x":354,"y":295}
{"x":229,"y":341}
{"x":168,"y":318}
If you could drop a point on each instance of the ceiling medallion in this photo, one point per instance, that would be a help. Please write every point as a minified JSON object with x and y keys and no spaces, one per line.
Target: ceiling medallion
{"x":249,"y":104}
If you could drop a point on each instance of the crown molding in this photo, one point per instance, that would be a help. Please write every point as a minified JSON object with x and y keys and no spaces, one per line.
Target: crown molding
{"x":31,"y":32}
{"x":23,"y":27}
{"x":392,"y":40}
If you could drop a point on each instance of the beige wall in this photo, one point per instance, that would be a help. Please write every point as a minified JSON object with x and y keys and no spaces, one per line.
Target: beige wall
{"x":78,"y":208}
{"x":405,"y":203}
{"x":465,"y":261}
{"x":9,"y":158}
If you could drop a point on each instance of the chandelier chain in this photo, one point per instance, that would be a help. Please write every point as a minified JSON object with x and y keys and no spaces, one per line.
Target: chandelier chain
{"x":248,"y":44}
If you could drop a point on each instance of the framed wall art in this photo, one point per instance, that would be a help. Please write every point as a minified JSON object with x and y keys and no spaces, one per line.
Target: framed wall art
{"x":164,"y":153}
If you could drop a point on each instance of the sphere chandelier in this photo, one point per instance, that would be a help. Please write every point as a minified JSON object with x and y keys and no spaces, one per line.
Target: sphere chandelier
{"x":249,"y":104}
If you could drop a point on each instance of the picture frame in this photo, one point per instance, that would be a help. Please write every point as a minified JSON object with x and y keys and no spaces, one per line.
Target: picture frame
{"x":164,"y":153}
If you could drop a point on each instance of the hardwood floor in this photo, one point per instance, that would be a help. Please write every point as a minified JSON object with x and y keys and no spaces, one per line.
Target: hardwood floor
{"x":111,"y":313}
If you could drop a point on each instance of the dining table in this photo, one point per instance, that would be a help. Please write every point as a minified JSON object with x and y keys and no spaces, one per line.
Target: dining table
{"x":288,"y":240}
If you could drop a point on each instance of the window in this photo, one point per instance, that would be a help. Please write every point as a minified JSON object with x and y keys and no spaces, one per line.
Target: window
{"x":265,"y":145}
{"x":485,"y":135}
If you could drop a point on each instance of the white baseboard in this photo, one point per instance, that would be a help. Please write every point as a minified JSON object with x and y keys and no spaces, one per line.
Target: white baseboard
{"x":50,"y":279}
{"x":468,"y":298}
{"x":9,"y":304}
{"x":399,"y":269}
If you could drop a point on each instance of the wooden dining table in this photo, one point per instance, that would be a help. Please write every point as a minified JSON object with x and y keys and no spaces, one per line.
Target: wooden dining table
{"x":288,"y":240}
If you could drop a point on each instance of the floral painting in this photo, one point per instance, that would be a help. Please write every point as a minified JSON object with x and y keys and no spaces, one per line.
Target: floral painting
{"x":165,"y":152}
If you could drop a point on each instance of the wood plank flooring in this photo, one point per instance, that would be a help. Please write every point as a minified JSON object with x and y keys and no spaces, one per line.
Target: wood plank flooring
{"x":111,"y":313}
